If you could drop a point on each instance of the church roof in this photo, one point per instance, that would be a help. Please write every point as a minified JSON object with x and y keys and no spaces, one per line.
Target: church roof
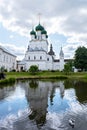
{"x":51,"y":52}
{"x":32,"y":32}
{"x":39,"y":27}
{"x":6,"y":51}
{"x":61,"y":52}
{"x":44,"y":32}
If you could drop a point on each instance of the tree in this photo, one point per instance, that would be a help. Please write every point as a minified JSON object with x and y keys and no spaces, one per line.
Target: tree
{"x":80,"y":61}
{"x":68,"y":67}
{"x":33,"y":69}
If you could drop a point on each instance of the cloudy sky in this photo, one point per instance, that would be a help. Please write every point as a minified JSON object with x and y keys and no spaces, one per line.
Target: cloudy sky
{"x":64,"y":20}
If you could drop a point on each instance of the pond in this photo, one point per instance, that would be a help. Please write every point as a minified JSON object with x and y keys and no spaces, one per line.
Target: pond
{"x":43,"y":105}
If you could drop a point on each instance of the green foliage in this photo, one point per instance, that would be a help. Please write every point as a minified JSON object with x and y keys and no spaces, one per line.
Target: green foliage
{"x":81,"y":58}
{"x":13,"y":70}
{"x":68,"y":67}
{"x":7,"y":81}
{"x":33,"y":84}
{"x":33,"y":69}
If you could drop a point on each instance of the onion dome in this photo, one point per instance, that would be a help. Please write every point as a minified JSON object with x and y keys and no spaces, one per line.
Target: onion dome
{"x":39,"y":27}
{"x":44,"y":32}
{"x":51,"y":52}
{"x":32,"y":32}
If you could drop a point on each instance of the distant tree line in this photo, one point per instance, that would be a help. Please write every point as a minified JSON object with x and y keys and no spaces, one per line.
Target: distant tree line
{"x":79,"y":62}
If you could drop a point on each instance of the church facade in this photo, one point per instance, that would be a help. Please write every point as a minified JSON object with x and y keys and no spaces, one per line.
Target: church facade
{"x":7,"y":59}
{"x":37,"y":52}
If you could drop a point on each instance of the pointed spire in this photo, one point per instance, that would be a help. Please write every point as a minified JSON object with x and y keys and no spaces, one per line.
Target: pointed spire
{"x":61,"y":52}
{"x":51,"y":52}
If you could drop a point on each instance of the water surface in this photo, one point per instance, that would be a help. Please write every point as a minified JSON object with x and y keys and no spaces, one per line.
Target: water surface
{"x":43,"y":105}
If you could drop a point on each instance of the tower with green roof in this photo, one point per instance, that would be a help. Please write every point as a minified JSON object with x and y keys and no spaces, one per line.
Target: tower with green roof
{"x":37,"y":52}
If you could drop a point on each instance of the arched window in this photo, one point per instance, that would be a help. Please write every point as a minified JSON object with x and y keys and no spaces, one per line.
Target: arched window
{"x":47,"y":59}
{"x":40,"y":57}
{"x":29,"y":58}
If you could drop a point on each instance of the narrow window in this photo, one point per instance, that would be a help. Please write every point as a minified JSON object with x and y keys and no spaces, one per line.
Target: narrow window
{"x":40,"y":57}
{"x":47,"y":59}
{"x":29,"y":58}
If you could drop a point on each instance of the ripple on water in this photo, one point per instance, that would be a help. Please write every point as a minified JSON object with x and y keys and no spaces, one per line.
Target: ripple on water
{"x":80,"y":117}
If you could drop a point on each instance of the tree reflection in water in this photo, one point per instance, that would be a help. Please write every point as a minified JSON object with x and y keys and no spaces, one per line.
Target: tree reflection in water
{"x":33,"y":84}
{"x":80,"y":88}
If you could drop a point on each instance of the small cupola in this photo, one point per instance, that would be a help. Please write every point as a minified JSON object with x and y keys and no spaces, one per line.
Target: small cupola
{"x":44,"y":32}
{"x":33,"y":34}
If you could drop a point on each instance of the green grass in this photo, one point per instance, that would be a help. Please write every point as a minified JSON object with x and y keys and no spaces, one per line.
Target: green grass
{"x":7,"y":81}
{"x":12,"y":76}
{"x":46,"y":74}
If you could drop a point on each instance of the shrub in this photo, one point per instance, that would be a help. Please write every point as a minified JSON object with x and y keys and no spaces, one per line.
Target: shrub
{"x":13,"y":70}
{"x":7,"y":81}
{"x":33,"y":69}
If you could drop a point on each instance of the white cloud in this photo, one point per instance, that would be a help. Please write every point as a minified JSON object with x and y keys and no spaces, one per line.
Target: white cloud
{"x":11,"y":36}
{"x":18,"y":51}
{"x":69,"y":49}
{"x":68,"y":18}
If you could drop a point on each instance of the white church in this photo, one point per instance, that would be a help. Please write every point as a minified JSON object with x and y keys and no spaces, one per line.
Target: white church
{"x":7,"y":59}
{"x":37,"y":52}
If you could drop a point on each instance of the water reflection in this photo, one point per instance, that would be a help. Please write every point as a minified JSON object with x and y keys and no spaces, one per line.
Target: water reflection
{"x":38,"y":101}
{"x":61,"y":86}
{"x":43,"y":105}
{"x":80,"y":89}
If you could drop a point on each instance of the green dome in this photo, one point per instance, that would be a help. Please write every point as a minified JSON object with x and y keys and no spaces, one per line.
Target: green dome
{"x":39,"y":28}
{"x":44,"y":32}
{"x":32,"y":32}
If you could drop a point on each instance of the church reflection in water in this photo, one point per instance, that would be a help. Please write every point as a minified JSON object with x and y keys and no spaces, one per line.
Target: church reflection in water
{"x":37,"y":94}
{"x":39,"y":103}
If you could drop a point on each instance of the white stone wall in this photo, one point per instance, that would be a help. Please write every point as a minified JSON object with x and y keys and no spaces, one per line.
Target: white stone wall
{"x":39,"y":58}
{"x":43,"y":44}
{"x":41,"y":64}
{"x":35,"y":55}
{"x":56,"y":66}
{"x":7,"y":60}
{"x":61,"y":64}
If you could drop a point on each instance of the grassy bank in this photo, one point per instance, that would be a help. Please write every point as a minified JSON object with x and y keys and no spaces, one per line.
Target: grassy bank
{"x":12,"y":76}
{"x":39,"y":75}
{"x":46,"y":74}
{"x":7,"y":81}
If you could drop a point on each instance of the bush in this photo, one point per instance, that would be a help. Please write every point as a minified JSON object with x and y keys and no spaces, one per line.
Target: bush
{"x":7,"y":81}
{"x":13,"y":70}
{"x":5,"y":70}
{"x":33,"y":69}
